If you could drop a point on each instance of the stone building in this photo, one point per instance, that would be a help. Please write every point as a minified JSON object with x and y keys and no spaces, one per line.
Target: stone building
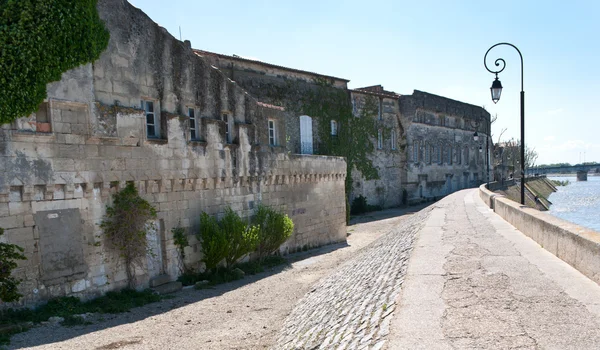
{"x":442,"y":155}
{"x":423,"y":144}
{"x":151,"y":112}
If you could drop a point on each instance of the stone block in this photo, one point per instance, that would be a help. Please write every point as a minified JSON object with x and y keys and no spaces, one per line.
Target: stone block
{"x":159,"y":280}
{"x":170,"y":287}
{"x":19,"y":208}
{"x":9,"y":222}
{"x":74,"y":139}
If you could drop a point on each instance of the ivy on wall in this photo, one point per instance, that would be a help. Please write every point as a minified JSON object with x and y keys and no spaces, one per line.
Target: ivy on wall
{"x":355,"y":134}
{"x":39,"y":40}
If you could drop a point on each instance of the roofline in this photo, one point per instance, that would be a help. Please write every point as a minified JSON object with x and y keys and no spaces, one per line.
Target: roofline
{"x":451,"y":99}
{"x":201,"y":52}
{"x":394,"y":95}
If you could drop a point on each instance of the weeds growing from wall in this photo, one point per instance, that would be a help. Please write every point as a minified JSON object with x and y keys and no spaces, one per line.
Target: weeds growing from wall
{"x":181,"y":241}
{"x":126,"y":226}
{"x":9,"y":254}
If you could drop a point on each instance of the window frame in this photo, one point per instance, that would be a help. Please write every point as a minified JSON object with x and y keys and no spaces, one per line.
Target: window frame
{"x":155,"y":122}
{"x":334,"y":127}
{"x":272,"y":130}
{"x":393,"y":139}
{"x":379,"y":139}
{"x":193,"y":119}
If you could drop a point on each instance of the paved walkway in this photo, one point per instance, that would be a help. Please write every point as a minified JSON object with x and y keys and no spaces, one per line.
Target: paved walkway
{"x":472,"y":282}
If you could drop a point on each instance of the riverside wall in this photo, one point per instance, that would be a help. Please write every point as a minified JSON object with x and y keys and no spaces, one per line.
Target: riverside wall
{"x":576,"y":245}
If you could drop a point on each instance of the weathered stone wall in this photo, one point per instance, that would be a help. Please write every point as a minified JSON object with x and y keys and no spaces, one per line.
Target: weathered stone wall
{"x":442,"y":155}
{"x":389,"y":160}
{"x":55,"y":186}
{"x":281,"y":86}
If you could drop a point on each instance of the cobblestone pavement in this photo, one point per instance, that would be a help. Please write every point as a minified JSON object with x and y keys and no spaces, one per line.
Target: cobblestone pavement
{"x":352,"y":308}
{"x":475,"y":282}
{"x":245,"y":314}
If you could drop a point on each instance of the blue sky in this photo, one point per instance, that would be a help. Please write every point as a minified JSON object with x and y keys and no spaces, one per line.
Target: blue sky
{"x":434,"y":46}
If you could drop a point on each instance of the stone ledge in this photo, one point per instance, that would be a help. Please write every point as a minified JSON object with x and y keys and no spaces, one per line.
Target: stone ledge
{"x":576,"y":245}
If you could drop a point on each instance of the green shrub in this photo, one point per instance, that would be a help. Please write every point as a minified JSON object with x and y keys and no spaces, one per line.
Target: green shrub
{"x":39,"y":40}
{"x":241,"y":237}
{"x":359,"y":205}
{"x":274,"y":228}
{"x":214,"y":241}
{"x":181,"y":241}
{"x":8,"y":284}
{"x":125,"y":225}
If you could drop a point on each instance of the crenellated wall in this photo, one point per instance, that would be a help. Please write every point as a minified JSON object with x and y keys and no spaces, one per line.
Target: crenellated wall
{"x":57,"y":174}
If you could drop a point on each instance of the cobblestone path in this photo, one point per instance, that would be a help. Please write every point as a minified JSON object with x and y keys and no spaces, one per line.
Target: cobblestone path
{"x":352,"y":308}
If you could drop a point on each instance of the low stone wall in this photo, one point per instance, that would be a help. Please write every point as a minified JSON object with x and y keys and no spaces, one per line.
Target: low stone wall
{"x":576,"y":245}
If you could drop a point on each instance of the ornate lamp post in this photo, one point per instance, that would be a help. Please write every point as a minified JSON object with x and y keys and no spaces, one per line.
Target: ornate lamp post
{"x":496,"y":90}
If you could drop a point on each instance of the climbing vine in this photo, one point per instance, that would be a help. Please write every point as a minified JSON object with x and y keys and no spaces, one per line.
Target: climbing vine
{"x":39,"y":40}
{"x":355,"y":134}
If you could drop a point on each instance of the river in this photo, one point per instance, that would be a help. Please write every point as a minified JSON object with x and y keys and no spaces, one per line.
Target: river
{"x":578,"y":202}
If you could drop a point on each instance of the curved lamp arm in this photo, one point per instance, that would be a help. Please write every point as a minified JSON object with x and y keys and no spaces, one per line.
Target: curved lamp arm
{"x":500,"y":61}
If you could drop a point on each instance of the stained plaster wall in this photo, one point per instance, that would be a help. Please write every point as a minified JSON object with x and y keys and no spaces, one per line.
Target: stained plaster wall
{"x":54,"y":187}
{"x":442,"y":122}
{"x":389,"y":160}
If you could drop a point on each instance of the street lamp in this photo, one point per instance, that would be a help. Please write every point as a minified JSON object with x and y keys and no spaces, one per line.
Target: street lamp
{"x":475,"y":137}
{"x":496,"y":91}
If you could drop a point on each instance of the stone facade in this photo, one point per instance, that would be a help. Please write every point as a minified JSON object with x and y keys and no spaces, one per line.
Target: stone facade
{"x":389,"y":157}
{"x":151,"y":112}
{"x":442,"y":156}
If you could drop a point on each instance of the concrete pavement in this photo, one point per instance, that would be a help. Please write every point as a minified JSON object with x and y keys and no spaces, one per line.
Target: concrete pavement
{"x":475,"y":282}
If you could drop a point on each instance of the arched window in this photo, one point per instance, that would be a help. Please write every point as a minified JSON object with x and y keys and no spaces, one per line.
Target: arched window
{"x":415,"y":154}
{"x":427,"y":154}
{"x":449,"y":159}
{"x":458,"y":155}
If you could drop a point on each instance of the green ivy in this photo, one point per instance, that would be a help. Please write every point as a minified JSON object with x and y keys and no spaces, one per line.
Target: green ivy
{"x":355,"y":133}
{"x":39,"y":40}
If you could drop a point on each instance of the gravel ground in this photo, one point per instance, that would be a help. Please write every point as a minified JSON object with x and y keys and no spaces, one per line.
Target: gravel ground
{"x":246,"y":314}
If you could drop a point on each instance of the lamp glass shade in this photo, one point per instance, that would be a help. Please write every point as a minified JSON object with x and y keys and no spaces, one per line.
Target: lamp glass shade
{"x":496,"y":90}
{"x":480,"y":149}
{"x":475,"y":136}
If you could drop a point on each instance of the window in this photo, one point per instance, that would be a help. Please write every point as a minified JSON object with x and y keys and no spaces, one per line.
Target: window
{"x":152,"y":130}
{"x":393,"y":139}
{"x":467,"y":155}
{"x":379,"y":139}
{"x":416,"y":151}
{"x":458,"y":155}
{"x":228,"y":127}
{"x":272,"y":133}
{"x":334,"y":128}
{"x":427,"y":154}
{"x":439,"y":155}
{"x":193,"y":125}
{"x":442,"y":121}
{"x":355,"y":107}
{"x":380,"y":110}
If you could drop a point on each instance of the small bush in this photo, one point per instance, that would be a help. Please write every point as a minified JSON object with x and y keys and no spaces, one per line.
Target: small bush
{"x":359,"y":205}
{"x":274,"y":228}
{"x":74,"y":320}
{"x":241,"y":237}
{"x":9,"y":253}
{"x":181,"y":241}
{"x":214,"y":241}
{"x":125,"y":225}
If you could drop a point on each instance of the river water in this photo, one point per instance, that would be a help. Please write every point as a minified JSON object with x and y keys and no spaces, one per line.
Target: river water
{"x":578,"y":202}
